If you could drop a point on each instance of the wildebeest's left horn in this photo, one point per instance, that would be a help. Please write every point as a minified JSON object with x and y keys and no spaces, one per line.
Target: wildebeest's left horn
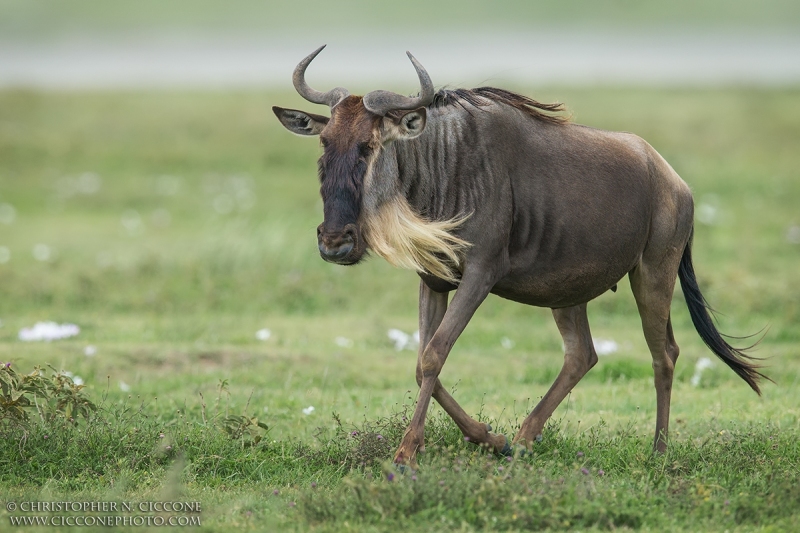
{"x":381,"y":102}
{"x":330,"y":98}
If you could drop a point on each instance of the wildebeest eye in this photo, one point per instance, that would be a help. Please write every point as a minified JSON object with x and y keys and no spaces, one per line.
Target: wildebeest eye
{"x":363,"y":149}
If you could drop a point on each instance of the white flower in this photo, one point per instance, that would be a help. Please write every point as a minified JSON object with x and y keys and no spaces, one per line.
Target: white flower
{"x":7,"y":214}
{"x":707,"y":211}
{"x":702,"y":364}
{"x":88,"y":183}
{"x":132,"y":221}
{"x":399,"y":338}
{"x":506,"y":343}
{"x":48,"y":331}
{"x":707,"y":214}
{"x":223,"y":204}
{"x":605,"y":346}
{"x":77,"y":380}
{"x":403,"y":340}
{"x":343,"y":342}
{"x":308,"y":410}
{"x":792,"y":235}
{"x":263,"y":334}
{"x":90,"y":351}
{"x":42,"y":252}
{"x":124,"y":387}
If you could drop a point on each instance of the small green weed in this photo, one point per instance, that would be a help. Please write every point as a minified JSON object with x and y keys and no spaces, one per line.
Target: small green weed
{"x":249,"y":429}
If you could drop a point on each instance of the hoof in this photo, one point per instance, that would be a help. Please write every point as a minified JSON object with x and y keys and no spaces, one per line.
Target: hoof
{"x":515,"y":450}
{"x":508,"y":450}
{"x":406,"y":470}
{"x":405,"y":465}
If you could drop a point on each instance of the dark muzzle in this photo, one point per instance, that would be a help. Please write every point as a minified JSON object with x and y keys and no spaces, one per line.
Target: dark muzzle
{"x":337,"y":246}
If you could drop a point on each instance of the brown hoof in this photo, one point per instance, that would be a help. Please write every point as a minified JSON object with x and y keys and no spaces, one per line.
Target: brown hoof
{"x":401,"y":460}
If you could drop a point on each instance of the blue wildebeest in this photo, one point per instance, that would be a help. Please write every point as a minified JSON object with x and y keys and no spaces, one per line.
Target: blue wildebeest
{"x":487,"y":191}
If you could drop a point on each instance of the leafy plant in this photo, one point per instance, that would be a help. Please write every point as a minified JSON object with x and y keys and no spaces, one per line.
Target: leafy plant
{"x":18,"y":393}
{"x":250,"y":429}
{"x":56,"y":397}
{"x":67,"y":398}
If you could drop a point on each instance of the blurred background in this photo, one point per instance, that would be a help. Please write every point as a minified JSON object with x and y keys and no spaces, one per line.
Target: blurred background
{"x":149,"y":196}
{"x":184,"y":43}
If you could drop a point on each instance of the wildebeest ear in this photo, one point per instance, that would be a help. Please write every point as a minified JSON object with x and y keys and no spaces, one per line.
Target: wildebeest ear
{"x":408,"y":125}
{"x":300,"y":122}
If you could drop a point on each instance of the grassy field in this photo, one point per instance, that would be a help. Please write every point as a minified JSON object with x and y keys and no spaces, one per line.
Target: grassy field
{"x":171,"y":227}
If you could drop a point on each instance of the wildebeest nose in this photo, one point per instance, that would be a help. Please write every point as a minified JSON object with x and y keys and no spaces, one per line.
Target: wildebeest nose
{"x":334,"y":247}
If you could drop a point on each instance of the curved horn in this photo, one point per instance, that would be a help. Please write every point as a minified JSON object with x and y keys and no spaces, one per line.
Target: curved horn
{"x":381,"y":102}
{"x":330,"y":98}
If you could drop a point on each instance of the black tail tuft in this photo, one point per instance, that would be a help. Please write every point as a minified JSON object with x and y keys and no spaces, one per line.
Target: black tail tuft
{"x":735,"y":358}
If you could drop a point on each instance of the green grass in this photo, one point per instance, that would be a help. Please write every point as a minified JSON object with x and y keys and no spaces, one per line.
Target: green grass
{"x":202,"y":232}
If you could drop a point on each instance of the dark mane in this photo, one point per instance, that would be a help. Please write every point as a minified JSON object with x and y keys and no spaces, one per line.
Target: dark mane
{"x":482,"y":96}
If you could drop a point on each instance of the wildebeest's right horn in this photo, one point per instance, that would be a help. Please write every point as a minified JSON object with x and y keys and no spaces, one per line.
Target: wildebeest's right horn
{"x":330,"y":98}
{"x":381,"y":102}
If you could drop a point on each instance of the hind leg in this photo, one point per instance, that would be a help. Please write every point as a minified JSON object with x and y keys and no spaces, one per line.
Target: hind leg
{"x":579,"y":358}
{"x":652,"y":287}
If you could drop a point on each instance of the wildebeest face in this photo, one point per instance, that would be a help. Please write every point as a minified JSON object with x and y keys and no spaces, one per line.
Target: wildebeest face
{"x":351,"y":139}
{"x":349,"y":142}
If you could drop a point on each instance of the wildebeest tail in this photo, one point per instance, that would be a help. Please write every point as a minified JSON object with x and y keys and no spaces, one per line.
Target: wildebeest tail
{"x":699,"y":309}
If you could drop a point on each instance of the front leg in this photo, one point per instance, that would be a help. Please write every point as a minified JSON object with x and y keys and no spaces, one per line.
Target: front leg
{"x":432,"y":307}
{"x":475,"y":286}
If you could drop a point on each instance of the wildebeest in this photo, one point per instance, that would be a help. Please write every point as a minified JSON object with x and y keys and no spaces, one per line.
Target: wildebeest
{"x":487,"y":191}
